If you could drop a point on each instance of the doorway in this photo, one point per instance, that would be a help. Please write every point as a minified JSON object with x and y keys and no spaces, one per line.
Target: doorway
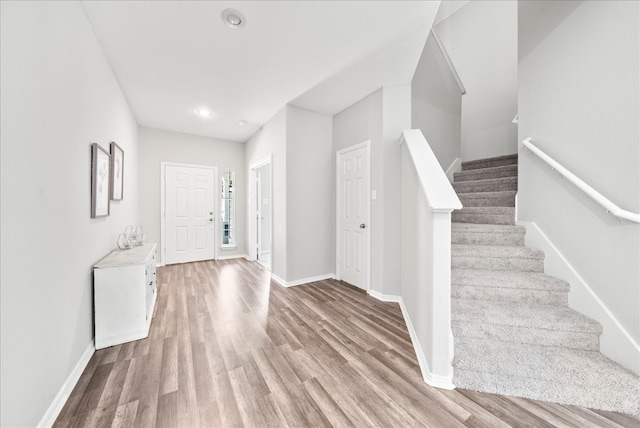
{"x":188,"y":213}
{"x":353,"y":214}
{"x":261,"y":220}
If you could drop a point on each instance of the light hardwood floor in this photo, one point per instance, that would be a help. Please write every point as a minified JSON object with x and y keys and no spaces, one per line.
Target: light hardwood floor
{"x":229,"y":348}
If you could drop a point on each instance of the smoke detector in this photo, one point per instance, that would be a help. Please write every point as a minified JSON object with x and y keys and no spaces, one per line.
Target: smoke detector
{"x":233,"y":18}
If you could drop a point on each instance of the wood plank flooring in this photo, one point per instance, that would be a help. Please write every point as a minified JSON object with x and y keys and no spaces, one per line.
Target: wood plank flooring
{"x":230,"y":348}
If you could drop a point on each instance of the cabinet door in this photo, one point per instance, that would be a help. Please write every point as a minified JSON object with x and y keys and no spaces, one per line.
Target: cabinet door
{"x":120,"y":310}
{"x":150,"y":284}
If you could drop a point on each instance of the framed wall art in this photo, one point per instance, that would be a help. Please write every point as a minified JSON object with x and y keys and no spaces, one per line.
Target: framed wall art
{"x":100,"y":172}
{"x":117,"y":172}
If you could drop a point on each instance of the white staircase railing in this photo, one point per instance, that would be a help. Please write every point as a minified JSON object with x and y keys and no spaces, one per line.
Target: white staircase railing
{"x":609,"y":206}
{"x":425,"y":226}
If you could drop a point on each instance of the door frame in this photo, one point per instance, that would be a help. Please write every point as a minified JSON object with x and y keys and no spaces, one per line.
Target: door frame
{"x":216,"y":203}
{"x":253,"y":227}
{"x":366,"y":145}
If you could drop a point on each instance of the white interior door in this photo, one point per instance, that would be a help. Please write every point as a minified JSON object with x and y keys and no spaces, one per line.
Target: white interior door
{"x":189,"y":213}
{"x":353,"y":215}
{"x":262,"y":216}
{"x":265,"y":215}
{"x":258,"y":214}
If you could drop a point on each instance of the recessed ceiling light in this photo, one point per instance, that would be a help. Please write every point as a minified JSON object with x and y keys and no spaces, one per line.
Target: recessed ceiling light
{"x":242,"y":122}
{"x":233,"y":18}
{"x":204,"y":113}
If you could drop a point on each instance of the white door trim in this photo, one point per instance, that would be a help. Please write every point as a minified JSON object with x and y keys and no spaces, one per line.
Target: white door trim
{"x":367,"y":145}
{"x":163,"y":166}
{"x":253,"y":232}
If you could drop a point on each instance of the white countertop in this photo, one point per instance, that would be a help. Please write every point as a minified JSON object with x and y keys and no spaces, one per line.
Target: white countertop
{"x":133,"y":256}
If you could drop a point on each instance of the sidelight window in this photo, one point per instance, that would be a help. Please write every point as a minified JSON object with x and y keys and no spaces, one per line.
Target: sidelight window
{"x":227,"y":208}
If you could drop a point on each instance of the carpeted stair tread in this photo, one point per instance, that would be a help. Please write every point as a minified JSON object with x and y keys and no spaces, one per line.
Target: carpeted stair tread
{"x":611,"y":399}
{"x":505,"y":198}
{"x":507,"y":279}
{"x":484,"y":215}
{"x":496,"y":257}
{"x":485,"y":219}
{"x":513,"y":295}
{"x":533,"y":316}
{"x":561,"y":375}
{"x":486,"y":173}
{"x":495,"y":251}
{"x":490,"y":162}
{"x":491,"y":185}
{"x":487,"y":228}
{"x":525,"y":324}
{"x":508,"y":286}
{"x":550,"y":363}
{"x":487,"y":234}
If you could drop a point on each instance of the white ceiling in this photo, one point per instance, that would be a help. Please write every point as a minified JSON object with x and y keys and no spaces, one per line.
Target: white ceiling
{"x":173,"y":57}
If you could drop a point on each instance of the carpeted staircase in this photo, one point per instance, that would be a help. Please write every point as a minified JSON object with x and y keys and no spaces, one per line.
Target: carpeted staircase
{"x":513,"y":331}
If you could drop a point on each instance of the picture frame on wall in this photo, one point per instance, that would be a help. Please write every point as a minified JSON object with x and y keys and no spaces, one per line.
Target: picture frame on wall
{"x":100,"y":181}
{"x":117,"y":172}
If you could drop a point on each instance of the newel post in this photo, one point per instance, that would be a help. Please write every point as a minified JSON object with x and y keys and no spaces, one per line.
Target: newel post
{"x":440,"y":277}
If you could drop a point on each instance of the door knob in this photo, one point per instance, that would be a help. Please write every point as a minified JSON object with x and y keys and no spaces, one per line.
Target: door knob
{"x":362,"y":226}
{"x":211,"y":219}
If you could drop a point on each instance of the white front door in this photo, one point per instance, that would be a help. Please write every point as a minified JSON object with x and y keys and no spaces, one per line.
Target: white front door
{"x":189,"y":213}
{"x":353,"y":215}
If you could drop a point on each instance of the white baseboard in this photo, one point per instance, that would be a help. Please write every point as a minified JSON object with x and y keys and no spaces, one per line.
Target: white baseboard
{"x":384,"y":297}
{"x":456,"y":166}
{"x":63,"y":395}
{"x":615,"y":342}
{"x":233,"y":256}
{"x":430,"y":379}
{"x":303,"y":280}
{"x":129,"y":336}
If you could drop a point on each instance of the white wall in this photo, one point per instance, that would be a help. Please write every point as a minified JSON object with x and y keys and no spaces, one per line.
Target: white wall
{"x":380,"y":117}
{"x":436,"y":104}
{"x":310,"y":195}
{"x":58,"y":95}
{"x":579,"y":101}
{"x":396,"y":117}
{"x":482,"y":41}
{"x":271,"y":141}
{"x":158,"y":146}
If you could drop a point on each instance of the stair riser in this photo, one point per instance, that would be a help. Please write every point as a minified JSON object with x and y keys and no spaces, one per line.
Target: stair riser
{"x":462,"y":217}
{"x":529,"y":335}
{"x":500,"y":185}
{"x":500,"y":281}
{"x":506,"y":200}
{"x":495,"y":294}
{"x":485,"y":215}
{"x":513,"y":239}
{"x":497,"y":263}
{"x":485,"y":174}
{"x":489,"y":163}
{"x":504,"y":384}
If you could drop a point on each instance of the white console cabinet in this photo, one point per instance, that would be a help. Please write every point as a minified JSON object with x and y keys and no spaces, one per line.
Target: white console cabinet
{"x":124,"y":295}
